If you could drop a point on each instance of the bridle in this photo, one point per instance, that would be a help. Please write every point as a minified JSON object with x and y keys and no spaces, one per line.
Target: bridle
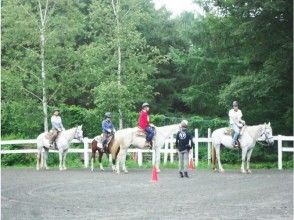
{"x":267,"y":139}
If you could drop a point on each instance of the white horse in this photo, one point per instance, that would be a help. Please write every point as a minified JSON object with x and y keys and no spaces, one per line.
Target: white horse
{"x":251,"y":134}
{"x":63,"y":141}
{"x":126,"y":137}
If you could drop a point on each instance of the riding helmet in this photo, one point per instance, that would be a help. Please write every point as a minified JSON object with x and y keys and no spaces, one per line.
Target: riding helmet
{"x":184,"y":123}
{"x":108,"y":115}
{"x":145,"y":104}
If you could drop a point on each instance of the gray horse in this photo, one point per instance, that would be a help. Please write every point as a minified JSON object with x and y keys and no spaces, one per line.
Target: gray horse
{"x":62,"y":142}
{"x":251,"y":134}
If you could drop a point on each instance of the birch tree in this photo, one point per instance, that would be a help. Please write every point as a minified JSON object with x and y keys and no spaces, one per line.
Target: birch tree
{"x":116,"y":11}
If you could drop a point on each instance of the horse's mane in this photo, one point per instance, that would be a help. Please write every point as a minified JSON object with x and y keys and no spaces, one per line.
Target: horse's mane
{"x":253,"y":130}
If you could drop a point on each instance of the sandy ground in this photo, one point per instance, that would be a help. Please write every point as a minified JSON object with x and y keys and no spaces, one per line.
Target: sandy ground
{"x":81,"y":194}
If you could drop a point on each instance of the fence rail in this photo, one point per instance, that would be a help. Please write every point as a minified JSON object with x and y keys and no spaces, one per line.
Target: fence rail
{"x":168,"y":150}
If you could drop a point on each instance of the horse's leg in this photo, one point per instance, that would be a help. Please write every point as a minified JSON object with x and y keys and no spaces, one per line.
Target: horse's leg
{"x":64,"y":158}
{"x":46,"y":151}
{"x":39,"y":155}
{"x":244,"y":152}
{"x":114,"y":159}
{"x":94,"y":149}
{"x":124,"y":157}
{"x":100,"y":160}
{"x":217,"y":154}
{"x":157,"y":159}
{"x":119,"y":160}
{"x":213,"y":157}
{"x":248,"y":160}
{"x":93,"y":157}
{"x":60,"y":159}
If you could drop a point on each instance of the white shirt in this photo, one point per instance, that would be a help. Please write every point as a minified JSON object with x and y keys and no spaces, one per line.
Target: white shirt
{"x":57,"y":123}
{"x":235,"y":116}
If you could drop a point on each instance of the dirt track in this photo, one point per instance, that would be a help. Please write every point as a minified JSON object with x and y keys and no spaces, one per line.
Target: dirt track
{"x":81,"y":194}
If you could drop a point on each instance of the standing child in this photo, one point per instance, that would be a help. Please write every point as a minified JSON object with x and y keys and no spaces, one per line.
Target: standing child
{"x":183,"y":147}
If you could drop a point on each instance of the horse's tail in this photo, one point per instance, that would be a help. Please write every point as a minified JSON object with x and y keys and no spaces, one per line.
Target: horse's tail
{"x":213,"y":156}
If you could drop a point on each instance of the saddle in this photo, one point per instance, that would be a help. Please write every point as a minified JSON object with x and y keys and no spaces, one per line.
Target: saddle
{"x":141,"y":133}
{"x":229,"y":131}
{"x":99,"y":140}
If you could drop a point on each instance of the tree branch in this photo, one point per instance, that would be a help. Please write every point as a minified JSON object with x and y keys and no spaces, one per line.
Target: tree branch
{"x":28,"y":72}
{"x":33,"y":94}
{"x":56,"y":90}
{"x":29,"y":13}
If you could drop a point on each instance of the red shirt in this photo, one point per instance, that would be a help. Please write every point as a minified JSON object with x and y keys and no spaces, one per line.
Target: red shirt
{"x":143,"y":120}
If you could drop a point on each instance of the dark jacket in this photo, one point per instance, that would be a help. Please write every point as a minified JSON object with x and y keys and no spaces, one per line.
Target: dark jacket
{"x":183,"y":139}
{"x":107,"y":126}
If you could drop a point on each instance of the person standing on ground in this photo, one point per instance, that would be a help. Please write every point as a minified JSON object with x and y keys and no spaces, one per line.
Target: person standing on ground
{"x":183,"y":140}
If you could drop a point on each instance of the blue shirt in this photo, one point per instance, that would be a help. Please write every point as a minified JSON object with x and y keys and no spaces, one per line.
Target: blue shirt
{"x":107,"y":125}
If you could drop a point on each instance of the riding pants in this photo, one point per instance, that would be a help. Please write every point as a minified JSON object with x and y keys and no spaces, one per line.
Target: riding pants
{"x":236,"y":132}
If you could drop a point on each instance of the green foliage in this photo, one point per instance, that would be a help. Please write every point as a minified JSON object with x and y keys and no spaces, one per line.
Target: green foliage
{"x":189,"y":67}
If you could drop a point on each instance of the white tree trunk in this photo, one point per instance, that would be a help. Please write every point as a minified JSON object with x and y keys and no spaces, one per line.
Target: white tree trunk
{"x":115,"y":7}
{"x":43,"y":19}
{"x":44,"y":98}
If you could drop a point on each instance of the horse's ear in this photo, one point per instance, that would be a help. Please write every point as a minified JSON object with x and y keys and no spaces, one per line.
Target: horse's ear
{"x":81,"y":126}
{"x":269,"y":124}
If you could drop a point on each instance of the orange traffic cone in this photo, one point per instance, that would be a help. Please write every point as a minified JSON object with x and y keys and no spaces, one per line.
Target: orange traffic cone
{"x":191,"y":165}
{"x":154,"y":176}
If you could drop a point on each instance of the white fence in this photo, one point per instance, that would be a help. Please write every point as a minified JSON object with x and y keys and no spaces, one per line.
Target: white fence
{"x":168,"y":150}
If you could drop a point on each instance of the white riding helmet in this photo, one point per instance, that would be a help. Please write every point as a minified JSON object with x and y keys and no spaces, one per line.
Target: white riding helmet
{"x":184,"y":123}
{"x":145,"y":104}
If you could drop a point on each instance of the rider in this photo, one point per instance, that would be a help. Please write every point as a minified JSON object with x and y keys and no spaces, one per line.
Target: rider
{"x":182,"y":144}
{"x":107,"y":130}
{"x":236,"y":122}
{"x":57,"y":126}
{"x":144,"y":124}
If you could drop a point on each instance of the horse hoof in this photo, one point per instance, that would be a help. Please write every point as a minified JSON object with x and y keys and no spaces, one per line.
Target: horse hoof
{"x":243,"y":171}
{"x":125,"y":171}
{"x":221,"y":170}
{"x":249,"y":171}
{"x":37,"y":168}
{"x":47,"y":168}
{"x":101,"y":169}
{"x":60,"y":169}
{"x":64,"y":168}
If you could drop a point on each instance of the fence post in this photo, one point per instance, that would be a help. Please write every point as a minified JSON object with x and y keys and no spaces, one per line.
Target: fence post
{"x":280,"y":153}
{"x":171,"y":150}
{"x":86,"y":154}
{"x":196,"y":147}
{"x":209,"y":147}
{"x":140,"y":157}
{"x":165,"y":152}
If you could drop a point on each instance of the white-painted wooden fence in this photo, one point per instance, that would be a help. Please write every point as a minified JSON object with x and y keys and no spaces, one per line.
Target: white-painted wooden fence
{"x":168,"y":150}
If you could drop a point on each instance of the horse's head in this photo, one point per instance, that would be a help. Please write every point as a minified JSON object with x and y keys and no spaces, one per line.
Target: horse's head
{"x":79,"y":133}
{"x":267,"y":134}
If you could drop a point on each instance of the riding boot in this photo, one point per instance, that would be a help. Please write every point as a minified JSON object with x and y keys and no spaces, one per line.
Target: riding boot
{"x":148,"y":145}
{"x":186,"y":174}
{"x":181,"y":174}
